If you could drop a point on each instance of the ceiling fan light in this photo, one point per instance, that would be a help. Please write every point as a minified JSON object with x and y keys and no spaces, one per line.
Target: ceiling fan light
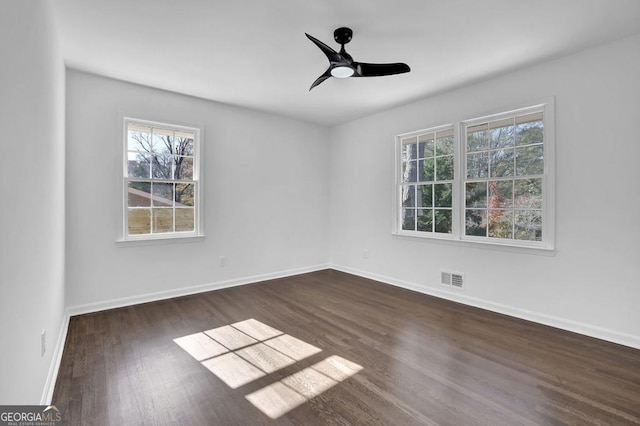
{"x":342,"y":71}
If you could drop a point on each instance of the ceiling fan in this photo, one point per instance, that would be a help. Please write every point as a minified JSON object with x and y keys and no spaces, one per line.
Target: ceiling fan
{"x":342,"y":65}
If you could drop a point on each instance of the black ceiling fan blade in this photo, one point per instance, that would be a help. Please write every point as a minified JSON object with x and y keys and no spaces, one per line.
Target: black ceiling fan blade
{"x":322,"y":78}
{"x":331,"y":54}
{"x":342,"y":65}
{"x":378,"y":70}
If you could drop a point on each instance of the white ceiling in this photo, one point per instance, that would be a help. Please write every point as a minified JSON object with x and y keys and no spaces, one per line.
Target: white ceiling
{"x":254,"y":53}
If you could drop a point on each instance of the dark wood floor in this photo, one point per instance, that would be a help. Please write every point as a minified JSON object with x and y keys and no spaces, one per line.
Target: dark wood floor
{"x":425,"y":361}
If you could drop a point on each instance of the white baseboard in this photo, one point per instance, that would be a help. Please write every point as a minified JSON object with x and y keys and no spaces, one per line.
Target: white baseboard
{"x":186,"y":291}
{"x":561,"y":323}
{"x":50,"y":384}
{"x":552,"y":321}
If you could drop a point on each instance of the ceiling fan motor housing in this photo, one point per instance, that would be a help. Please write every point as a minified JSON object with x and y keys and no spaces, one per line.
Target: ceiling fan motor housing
{"x":343,"y":35}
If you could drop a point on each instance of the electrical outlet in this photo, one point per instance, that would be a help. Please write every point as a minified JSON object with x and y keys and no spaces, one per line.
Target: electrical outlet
{"x":43,"y":342}
{"x":222,"y":261}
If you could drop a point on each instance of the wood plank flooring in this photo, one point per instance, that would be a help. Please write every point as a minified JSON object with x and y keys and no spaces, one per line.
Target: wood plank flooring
{"x":355,"y":352}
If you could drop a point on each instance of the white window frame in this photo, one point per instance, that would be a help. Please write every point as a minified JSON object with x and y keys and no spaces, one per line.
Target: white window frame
{"x":546,"y":106}
{"x":455,"y":200}
{"x":124,"y":238}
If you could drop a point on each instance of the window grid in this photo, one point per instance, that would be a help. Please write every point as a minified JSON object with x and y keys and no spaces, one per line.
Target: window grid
{"x":502,"y":188}
{"x":427,"y":179}
{"x":160,"y":180}
{"x":504,"y":169}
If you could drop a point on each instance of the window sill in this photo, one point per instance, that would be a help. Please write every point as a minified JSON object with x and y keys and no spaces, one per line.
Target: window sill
{"x":490,"y":245}
{"x":160,"y":240}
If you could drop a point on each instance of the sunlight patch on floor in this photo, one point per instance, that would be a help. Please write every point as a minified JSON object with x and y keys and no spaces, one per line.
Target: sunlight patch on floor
{"x":292,"y":347}
{"x":265,"y":358}
{"x":230,"y":337}
{"x":233,"y":370}
{"x":248,"y":350}
{"x":200,"y":346}
{"x":256,"y":329}
{"x":285,"y":395}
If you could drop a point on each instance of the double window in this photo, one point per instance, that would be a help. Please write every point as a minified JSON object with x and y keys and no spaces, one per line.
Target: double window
{"x":488,"y":180}
{"x":161,"y":185}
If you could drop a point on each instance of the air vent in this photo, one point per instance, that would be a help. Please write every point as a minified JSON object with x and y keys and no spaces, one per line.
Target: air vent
{"x":453,"y":279}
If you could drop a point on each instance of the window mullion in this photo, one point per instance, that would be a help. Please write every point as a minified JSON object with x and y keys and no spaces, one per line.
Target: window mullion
{"x":499,"y":148}
{"x":151,"y":210}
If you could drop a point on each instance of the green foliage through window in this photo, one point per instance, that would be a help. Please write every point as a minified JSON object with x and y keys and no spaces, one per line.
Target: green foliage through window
{"x":503,"y":185}
{"x":427,"y":172}
{"x":498,"y":192}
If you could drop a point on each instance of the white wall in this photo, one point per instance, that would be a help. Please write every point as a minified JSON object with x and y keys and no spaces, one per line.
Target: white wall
{"x":279,"y":198}
{"x":265,"y":194}
{"x":591,"y":283}
{"x":32,"y":192}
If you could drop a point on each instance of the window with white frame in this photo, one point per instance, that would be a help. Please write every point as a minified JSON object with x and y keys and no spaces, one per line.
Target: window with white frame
{"x":161,"y":186}
{"x":426,"y":181}
{"x":488,"y":179}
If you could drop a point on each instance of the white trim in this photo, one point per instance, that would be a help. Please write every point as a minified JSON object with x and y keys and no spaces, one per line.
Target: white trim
{"x":160,"y":239}
{"x":398,"y":217}
{"x":433,"y":129}
{"x":547,"y":106}
{"x":186,"y":291}
{"x":199,"y":135}
{"x":494,"y":244}
{"x":50,"y":384}
{"x":549,"y":320}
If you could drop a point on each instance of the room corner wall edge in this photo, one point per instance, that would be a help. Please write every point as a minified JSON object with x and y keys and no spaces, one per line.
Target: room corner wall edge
{"x":551,"y":321}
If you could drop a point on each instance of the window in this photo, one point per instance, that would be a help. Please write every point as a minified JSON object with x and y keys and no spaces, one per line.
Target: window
{"x":484,"y":180}
{"x":504,"y":174}
{"x":427,"y":181}
{"x":161,"y":187}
